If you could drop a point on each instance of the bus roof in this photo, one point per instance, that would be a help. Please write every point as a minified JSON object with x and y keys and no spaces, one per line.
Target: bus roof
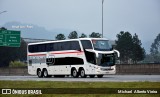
{"x":93,"y":39}
{"x":67,"y":40}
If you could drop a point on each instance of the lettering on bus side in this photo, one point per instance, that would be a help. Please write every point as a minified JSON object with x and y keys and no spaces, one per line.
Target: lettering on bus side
{"x":30,"y":62}
{"x":37,"y":59}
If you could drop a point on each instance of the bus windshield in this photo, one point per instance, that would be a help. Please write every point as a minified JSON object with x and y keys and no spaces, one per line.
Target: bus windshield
{"x":102,"y":45}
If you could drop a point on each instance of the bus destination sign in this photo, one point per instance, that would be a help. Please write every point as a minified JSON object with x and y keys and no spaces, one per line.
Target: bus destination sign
{"x":10,"y":38}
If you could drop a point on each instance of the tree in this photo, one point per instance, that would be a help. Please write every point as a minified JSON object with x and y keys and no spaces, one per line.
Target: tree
{"x":83,"y":35}
{"x":129,"y":47}
{"x":95,"y":35}
{"x":73,"y":35}
{"x":3,"y":28}
{"x":60,"y":37}
{"x":8,"y":54}
{"x":155,"y":49}
{"x":124,"y":45}
{"x":138,"y":53}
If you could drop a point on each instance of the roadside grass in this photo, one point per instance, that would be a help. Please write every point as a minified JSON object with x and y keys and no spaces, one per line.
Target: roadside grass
{"x":49,"y":84}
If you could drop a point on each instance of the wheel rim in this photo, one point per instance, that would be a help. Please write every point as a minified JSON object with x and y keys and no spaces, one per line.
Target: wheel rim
{"x":82,"y":73}
{"x":39,"y":73}
{"x":74,"y":73}
{"x":45,"y":73}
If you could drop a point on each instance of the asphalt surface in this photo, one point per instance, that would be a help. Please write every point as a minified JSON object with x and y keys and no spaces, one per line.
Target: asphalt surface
{"x":106,"y":78}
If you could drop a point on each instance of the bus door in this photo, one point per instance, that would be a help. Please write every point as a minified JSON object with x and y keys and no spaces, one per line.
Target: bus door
{"x":50,"y":61}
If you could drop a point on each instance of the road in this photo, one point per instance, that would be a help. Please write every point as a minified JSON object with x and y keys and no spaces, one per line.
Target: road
{"x":106,"y":78}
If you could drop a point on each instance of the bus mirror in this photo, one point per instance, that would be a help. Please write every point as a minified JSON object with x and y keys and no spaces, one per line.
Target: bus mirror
{"x":117,"y":52}
{"x":96,"y":54}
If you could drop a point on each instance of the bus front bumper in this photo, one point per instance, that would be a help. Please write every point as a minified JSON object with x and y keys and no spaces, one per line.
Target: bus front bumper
{"x":106,"y":70}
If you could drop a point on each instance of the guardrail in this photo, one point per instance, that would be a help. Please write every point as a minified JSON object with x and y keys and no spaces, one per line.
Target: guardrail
{"x":14,"y":71}
{"x":138,"y":69}
{"x":147,"y":69}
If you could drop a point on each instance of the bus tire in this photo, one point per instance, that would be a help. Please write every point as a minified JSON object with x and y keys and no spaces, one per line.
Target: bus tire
{"x":45,"y":73}
{"x":74,"y":73}
{"x":82,"y":73}
{"x":39,"y":73}
{"x":99,"y":76}
{"x":91,"y":76}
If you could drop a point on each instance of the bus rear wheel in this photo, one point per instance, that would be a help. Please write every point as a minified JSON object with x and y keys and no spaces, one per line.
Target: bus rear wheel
{"x":39,"y":73}
{"x":99,"y":76}
{"x":82,"y":73}
{"x":74,"y":73}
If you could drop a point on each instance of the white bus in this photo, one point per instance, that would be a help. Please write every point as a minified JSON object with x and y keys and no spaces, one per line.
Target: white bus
{"x":76,"y":57}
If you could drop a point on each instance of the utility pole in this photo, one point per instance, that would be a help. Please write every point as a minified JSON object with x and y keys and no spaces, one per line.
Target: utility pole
{"x":102,"y":17}
{"x":1,"y":13}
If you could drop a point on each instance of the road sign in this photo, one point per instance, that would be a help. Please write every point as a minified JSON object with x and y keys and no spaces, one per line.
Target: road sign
{"x":10,"y":38}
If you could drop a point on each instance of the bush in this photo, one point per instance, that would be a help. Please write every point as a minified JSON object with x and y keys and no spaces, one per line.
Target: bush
{"x":17,"y":64}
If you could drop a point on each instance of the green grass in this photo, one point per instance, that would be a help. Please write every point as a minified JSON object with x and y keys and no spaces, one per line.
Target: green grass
{"x":49,"y":84}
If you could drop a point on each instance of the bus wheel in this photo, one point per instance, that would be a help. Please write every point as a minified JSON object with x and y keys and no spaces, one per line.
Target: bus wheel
{"x":45,"y":73}
{"x":99,"y":76}
{"x":74,"y":73}
{"x":82,"y":73}
{"x":39,"y":73}
{"x":91,"y":76}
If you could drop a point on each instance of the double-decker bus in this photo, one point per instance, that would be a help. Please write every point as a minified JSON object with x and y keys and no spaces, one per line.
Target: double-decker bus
{"x":76,"y":57}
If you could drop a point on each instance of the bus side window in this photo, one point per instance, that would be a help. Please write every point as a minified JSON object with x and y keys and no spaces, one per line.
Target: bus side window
{"x":86,"y":44}
{"x":30,"y":48}
{"x":50,"y":47}
{"x":34,"y":48}
{"x":66,"y":45}
{"x":55,"y":47}
{"x":75,"y":45}
{"x":41,"y":47}
{"x":58,"y":46}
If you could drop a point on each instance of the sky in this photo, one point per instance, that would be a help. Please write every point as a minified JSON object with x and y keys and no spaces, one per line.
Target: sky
{"x":85,"y":16}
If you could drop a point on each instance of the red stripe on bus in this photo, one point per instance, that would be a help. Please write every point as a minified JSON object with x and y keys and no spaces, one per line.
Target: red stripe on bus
{"x":55,"y":53}
{"x":66,"y":52}
{"x":36,"y":54}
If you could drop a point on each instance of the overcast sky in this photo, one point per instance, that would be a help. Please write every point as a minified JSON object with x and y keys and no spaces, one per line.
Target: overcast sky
{"x":136,"y":16}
